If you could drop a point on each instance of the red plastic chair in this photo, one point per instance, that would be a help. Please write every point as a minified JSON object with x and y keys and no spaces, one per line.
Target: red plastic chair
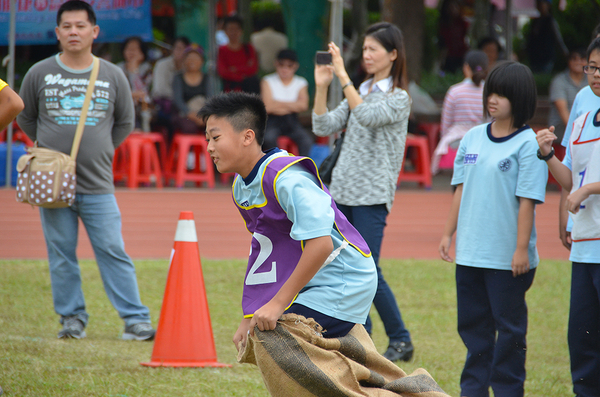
{"x":421,"y":161}
{"x":432,"y":131}
{"x":287,"y":144}
{"x":176,"y":166}
{"x":137,"y":160}
{"x":18,"y":135}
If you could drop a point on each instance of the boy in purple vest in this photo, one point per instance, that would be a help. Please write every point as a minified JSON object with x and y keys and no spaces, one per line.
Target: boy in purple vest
{"x":305,"y":258}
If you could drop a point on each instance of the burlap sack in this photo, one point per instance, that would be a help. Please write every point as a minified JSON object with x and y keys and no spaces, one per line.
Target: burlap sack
{"x":295,"y":360}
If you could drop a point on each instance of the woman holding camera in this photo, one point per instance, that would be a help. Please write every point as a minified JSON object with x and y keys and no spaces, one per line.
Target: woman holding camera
{"x":363,"y":181}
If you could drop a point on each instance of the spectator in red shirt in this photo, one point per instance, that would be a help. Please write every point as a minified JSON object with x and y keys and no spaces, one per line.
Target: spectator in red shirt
{"x":237,"y":63}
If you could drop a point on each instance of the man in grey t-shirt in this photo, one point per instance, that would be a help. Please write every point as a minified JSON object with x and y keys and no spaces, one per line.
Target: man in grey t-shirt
{"x":53,"y":91}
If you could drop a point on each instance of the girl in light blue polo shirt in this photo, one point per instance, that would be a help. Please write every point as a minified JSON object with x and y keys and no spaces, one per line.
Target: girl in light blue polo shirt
{"x":498,"y":180}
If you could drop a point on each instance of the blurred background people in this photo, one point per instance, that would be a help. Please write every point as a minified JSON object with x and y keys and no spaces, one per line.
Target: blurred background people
{"x":285,"y":95}
{"x":268,"y":42}
{"x":462,"y":110}
{"x":162,"y":83}
{"x":563,"y":89}
{"x":544,"y":36}
{"x":190,"y":92}
{"x":492,"y":48}
{"x":453,"y":29}
{"x":237,"y":63}
{"x":139,"y":74}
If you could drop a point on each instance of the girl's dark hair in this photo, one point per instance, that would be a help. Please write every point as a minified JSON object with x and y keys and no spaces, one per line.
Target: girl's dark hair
{"x":515,"y":82}
{"x":143,"y":46}
{"x":240,"y":109}
{"x":76,"y":5}
{"x":390,"y":37}
{"x":594,"y":46}
{"x":478,"y":62}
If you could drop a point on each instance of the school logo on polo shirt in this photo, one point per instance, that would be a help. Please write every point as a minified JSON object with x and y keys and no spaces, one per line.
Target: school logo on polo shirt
{"x":470,"y":159}
{"x":504,"y":165}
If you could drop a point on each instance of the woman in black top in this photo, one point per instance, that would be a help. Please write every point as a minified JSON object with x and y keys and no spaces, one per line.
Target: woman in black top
{"x":190,"y":92}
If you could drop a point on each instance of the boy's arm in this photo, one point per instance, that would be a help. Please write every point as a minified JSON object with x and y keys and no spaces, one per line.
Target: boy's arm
{"x":450,"y":227}
{"x":11,"y":105}
{"x":559,"y":171}
{"x":520,"y":261}
{"x":315,"y":253}
{"x":574,"y":200}
{"x":563,"y":220}
{"x":241,"y":335}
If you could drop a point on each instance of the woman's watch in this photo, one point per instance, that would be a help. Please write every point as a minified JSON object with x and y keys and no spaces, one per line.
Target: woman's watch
{"x":546,"y":157}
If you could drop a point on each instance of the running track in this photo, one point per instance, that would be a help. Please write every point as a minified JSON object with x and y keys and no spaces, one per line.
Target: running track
{"x":150,"y":220}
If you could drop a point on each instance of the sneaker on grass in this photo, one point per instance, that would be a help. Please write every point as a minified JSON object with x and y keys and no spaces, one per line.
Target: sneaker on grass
{"x":72,"y":328}
{"x":139,"y":331}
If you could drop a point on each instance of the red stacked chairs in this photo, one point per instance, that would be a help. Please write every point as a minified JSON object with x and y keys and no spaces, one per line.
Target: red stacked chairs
{"x":138,"y":160}
{"x":420,"y":159}
{"x":176,"y":165}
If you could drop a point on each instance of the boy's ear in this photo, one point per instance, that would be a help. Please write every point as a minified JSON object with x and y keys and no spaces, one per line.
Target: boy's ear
{"x":248,"y":137}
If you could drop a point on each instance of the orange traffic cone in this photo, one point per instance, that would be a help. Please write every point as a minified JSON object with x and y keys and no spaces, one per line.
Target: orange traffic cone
{"x":184,"y":336}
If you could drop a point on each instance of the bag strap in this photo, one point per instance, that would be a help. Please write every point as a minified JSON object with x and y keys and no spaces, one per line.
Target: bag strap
{"x":85,"y":107}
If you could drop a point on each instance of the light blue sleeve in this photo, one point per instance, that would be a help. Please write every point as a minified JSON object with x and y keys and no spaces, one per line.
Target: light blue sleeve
{"x":575,"y":112}
{"x":458,"y":176}
{"x":567,"y":160}
{"x":307,"y":206}
{"x":533,"y":172}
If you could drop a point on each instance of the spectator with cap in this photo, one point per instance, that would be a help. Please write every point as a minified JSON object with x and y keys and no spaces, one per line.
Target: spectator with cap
{"x":285,"y":95}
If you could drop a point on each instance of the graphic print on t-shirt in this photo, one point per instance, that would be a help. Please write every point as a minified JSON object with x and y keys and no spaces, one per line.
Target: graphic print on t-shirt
{"x":64,"y":99}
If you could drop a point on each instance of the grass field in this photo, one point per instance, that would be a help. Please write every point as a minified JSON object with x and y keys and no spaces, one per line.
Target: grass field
{"x":34,"y":363}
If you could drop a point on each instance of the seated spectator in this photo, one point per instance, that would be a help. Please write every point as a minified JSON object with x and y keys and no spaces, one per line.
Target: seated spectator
{"x":462,"y":109}
{"x":563,"y":89}
{"x":236,"y":62}
{"x":285,"y":95}
{"x":162,"y":83}
{"x":268,"y":42}
{"x":139,"y":73}
{"x":492,"y":48}
{"x":190,"y":92}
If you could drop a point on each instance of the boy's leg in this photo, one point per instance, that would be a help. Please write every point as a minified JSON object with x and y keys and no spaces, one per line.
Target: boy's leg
{"x":332,"y":327}
{"x":507,"y":297}
{"x":584,"y":331}
{"x":102,"y":219}
{"x":476,"y":329}
{"x":60,"y":226}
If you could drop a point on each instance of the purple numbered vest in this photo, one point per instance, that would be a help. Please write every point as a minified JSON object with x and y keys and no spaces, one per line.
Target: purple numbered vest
{"x":274,"y":254}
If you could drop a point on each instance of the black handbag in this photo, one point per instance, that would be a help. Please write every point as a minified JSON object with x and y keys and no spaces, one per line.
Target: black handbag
{"x":326,"y":167}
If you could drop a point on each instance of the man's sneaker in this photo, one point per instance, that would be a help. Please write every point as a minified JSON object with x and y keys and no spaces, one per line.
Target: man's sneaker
{"x":399,"y":351}
{"x":72,"y":328}
{"x":139,"y":331}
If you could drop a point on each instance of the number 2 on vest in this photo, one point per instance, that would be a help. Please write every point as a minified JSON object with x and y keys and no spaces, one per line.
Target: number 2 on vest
{"x":266,"y":247}
{"x":582,"y":173}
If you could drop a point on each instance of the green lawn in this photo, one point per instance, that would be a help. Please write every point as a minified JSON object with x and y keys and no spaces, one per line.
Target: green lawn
{"x":34,"y":363}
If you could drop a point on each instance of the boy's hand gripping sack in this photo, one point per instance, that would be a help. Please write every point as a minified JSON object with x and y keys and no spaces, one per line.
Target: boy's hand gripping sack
{"x":47,"y":177}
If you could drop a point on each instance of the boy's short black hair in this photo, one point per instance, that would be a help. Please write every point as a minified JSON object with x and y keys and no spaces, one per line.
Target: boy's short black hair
{"x":287,"y":54}
{"x":594,"y":46}
{"x":514,"y":81}
{"x":577,"y":51}
{"x":240,"y":109}
{"x":76,"y":5}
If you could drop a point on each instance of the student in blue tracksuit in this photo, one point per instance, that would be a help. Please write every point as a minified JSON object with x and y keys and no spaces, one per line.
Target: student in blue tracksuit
{"x":498,"y":180}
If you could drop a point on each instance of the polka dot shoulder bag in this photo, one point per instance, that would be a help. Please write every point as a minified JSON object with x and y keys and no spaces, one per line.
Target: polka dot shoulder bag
{"x":47,"y":177}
